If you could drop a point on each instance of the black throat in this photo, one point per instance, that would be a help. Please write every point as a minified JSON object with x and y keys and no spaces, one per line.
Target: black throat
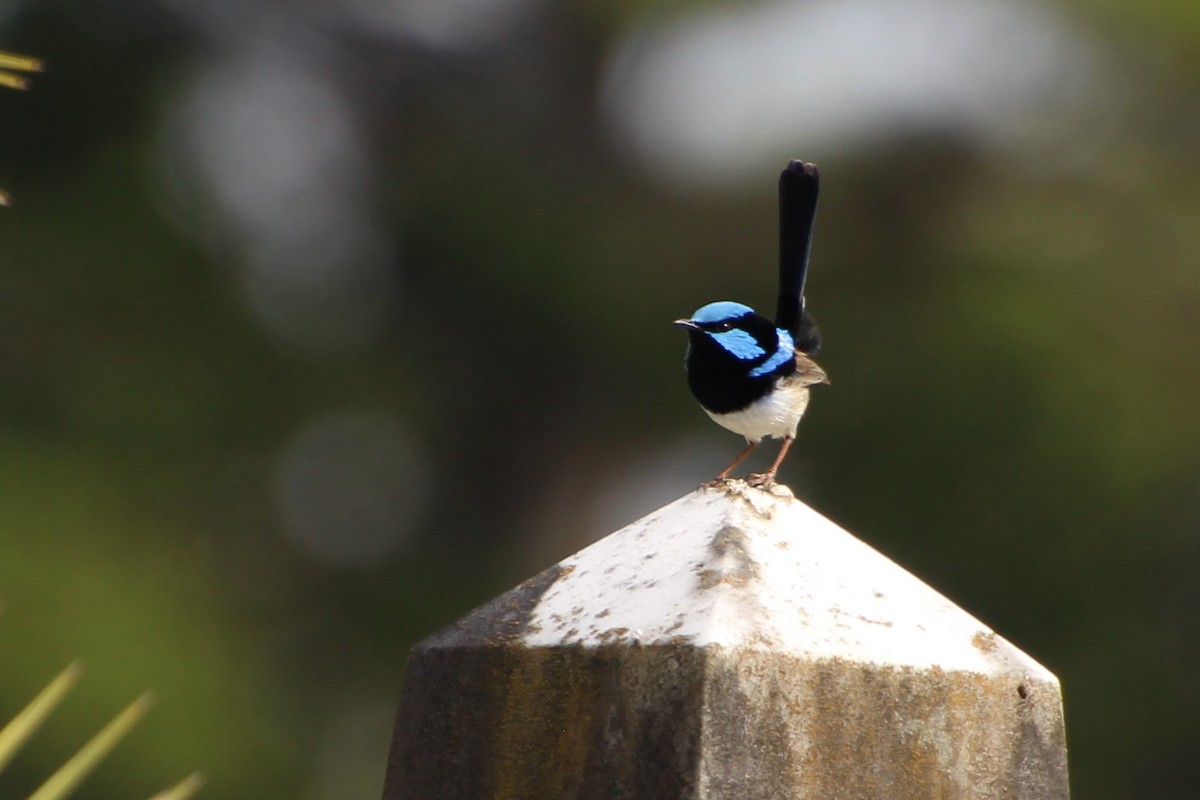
{"x":722,"y":383}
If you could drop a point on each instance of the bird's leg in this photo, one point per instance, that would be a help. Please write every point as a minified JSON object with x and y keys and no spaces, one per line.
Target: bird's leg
{"x":766,"y":479}
{"x":723,"y":474}
{"x":740,"y":458}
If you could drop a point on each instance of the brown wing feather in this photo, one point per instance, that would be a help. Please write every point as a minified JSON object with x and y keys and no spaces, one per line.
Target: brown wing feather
{"x":808,"y":372}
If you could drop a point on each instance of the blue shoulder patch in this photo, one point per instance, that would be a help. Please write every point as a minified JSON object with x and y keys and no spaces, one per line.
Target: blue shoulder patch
{"x":720,"y":311}
{"x":785,"y":351}
{"x":739,"y":342}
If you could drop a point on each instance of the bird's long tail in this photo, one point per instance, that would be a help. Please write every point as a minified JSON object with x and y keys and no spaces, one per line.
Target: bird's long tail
{"x":799,"y":184}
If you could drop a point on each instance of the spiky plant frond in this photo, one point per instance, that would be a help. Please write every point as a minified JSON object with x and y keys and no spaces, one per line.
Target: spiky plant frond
{"x":67,"y":778}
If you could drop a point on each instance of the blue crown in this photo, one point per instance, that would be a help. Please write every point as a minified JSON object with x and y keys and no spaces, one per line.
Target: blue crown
{"x":720,"y":311}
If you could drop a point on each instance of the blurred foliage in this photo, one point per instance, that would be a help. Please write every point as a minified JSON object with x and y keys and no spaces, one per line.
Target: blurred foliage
{"x":11,"y":65}
{"x":1010,"y":333}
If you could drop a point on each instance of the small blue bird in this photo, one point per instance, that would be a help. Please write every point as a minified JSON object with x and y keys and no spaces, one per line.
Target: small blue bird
{"x":751,"y":375}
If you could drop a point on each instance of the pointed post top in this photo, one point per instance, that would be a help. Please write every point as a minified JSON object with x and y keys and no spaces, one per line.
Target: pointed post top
{"x":742,"y":568}
{"x":733,"y":645}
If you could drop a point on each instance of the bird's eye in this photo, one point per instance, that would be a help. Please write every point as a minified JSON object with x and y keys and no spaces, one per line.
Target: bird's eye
{"x":721,"y":327}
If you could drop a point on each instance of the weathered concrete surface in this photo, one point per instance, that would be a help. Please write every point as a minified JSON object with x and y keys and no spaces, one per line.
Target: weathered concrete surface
{"x":734,"y":644}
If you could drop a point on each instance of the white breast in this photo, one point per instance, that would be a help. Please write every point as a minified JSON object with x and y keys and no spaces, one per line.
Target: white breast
{"x":775,"y":415}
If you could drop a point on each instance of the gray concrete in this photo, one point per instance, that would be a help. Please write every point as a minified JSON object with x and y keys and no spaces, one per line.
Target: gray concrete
{"x":735,"y":645}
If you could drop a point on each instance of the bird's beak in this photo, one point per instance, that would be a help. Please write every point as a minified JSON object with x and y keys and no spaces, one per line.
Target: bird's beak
{"x":687,"y":323}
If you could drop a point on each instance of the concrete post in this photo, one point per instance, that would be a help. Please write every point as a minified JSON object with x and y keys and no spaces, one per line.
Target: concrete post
{"x":733,"y":645}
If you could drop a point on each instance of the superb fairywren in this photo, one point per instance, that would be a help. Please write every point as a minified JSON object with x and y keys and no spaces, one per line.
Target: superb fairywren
{"x":752,"y":375}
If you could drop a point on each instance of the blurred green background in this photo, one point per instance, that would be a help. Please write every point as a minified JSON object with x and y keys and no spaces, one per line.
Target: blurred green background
{"x":322,"y":323}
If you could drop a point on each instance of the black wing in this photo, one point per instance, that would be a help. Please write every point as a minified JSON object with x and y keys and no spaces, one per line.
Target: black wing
{"x":799,"y":184}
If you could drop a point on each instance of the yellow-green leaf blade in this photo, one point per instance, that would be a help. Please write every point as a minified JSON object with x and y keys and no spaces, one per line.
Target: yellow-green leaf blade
{"x":182,"y":790}
{"x":21,"y":63}
{"x":25,"y":723}
{"x":80,"y":765}
{"x":11,"y":64}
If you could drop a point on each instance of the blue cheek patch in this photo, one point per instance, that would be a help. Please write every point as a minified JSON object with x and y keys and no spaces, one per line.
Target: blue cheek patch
{"x":785,"y":351}
{"x":740,"y":343}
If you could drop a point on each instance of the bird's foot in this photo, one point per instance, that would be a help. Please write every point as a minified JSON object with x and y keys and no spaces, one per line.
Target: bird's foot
{"x":715,"y":483}
{"x":762,"y":480}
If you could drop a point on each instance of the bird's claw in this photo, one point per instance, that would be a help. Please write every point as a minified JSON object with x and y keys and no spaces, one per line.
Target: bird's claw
{"x":761,"y":480}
